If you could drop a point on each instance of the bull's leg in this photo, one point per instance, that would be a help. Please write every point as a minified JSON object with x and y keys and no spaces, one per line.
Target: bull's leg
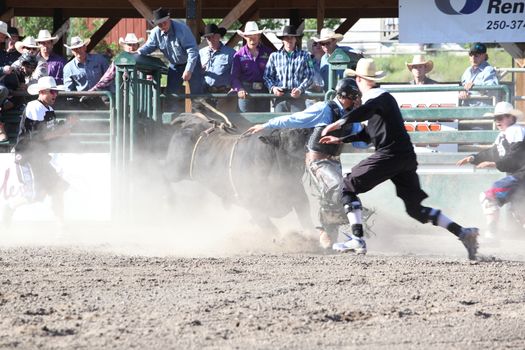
{"x":264,"y":223}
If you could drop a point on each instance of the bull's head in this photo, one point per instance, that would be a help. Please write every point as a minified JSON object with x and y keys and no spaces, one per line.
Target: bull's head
{"x":290,"y":142}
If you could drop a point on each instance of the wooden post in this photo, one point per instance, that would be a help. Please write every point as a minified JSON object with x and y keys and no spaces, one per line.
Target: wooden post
{"x":187,"y":100}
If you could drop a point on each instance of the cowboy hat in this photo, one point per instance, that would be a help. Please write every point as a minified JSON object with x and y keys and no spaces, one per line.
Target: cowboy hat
{"x":420,"y":60}
{"x":130,"y":39}
{"x":44,"y":83}
{"x":13,"y":31}
{"x":503,"y":108}
{"x":211,"y":29}
{"x":251,"y":28}
{"x":28,"y":42}
{"x":288,"y":31}
{"x":366,"y":69}
{"x":77,"y":42}
{"x":160,"y":15}
{"x":3,"y":29}
{"x":44,"y":35}
{"x":328,"y":34}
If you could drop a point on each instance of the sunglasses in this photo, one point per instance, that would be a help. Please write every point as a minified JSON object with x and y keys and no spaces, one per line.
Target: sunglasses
{"x":31,"y":48}
{"x":326,"y":43}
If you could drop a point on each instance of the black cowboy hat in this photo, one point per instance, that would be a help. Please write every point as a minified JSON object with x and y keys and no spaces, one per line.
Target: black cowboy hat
{"x":160,"y":15}
{"x":289,"y":31}
{"x":211,"y":29}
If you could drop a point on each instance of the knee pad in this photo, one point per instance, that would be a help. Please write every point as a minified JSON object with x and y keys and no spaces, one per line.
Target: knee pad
{"x":351,"y":202}
{"x":424,"y":214}
{"x":488,"y":205}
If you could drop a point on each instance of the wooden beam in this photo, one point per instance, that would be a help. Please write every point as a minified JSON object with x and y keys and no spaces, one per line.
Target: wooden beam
{"x":320,"y":15}
{"x":247,"y":16}
{"x":346,"y":25}
{"x":194,"y":17}
{"x":7,"y":15}
{"x":240,"y":9}
{"x":60,"y":27}
{"x":102,"y":32}
{"x":143,"y":9}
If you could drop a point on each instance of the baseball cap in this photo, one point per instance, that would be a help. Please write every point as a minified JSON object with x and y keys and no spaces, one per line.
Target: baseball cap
{"x":478,"y":48}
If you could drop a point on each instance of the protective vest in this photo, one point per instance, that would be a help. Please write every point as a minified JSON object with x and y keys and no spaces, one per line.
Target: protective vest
{"x":31,"y":131}
{"x":313,"y":142}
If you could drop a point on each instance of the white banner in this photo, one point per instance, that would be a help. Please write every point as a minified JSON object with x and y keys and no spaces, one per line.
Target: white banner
{"x":87,"y":198}
{"x":461,"y":21}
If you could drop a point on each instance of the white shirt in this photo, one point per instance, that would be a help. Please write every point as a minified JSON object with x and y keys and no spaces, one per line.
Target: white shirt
{"x":35,"y":110}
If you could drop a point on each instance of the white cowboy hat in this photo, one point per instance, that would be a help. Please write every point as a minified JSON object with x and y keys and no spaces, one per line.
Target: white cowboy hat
{"x":45,"y":35}
{"x":28,"y":41}
{"x":251,"y":28}
{"x":503,"y":108}
{"x":420,"y":59}
{"x":328,"y":34}
{"x":130,"y":39}
{"x":366,"y":69}
{"x":44,"y":83}
{"x":77,"y":42}
{"x":3,"y":29}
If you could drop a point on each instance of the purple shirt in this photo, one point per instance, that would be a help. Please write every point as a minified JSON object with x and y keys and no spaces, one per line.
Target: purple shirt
{"x":245,"y":69}
{"x":107,"y":79}
{"x":55,"y":67}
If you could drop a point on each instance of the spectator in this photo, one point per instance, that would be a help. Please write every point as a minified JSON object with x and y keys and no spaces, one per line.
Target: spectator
{"x":289,"y":70}
{"x":84,"y":71}
{"x":328,"y":40}
{"x":480,"y":73}
{"x":505,"y":118}
{"x":6,"y":69}
{"x":316,"y":53}
{"x":29,"y":46}
{"x":248,"y":69}
{"x":11,"y":53}
{"x":217,"y":61}
{"x":419,"y":69}
{"x":176,"y":41}
{"x":129,"y":44}
{"x":55,"y":62}
{"x":38,"y":126}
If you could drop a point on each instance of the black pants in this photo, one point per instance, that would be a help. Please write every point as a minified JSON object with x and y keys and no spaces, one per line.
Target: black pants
{"x":380,"y":167}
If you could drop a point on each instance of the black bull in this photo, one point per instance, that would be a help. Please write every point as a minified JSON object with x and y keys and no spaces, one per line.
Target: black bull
{"x":260,"y":173}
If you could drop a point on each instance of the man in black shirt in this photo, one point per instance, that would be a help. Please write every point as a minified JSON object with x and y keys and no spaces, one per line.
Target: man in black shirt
{"x":394,"y":159}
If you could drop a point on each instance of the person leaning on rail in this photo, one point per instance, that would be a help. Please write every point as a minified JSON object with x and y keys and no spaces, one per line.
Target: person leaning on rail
{"x":322,"y":161}
{"x":394,"y":159}
{"x":177,"y":43}
{"x":289,"y":71}
{"x":479,"y":73}
{"x":248,"y":70}
{"x":83,"y":72}
{"x":216,"y":62}
{"x":107,"y":82}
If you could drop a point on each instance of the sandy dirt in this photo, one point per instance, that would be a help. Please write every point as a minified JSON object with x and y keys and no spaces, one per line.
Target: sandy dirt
{"x":414,"y":291}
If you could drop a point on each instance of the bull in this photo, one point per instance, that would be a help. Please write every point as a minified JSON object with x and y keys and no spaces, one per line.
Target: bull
{"x":261,"y":174}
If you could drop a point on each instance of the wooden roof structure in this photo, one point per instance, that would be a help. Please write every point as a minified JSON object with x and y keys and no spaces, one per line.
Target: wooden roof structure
{"x":195,"y":10}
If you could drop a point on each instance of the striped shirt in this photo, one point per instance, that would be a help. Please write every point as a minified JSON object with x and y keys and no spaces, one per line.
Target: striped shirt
{"x":289,"y":70}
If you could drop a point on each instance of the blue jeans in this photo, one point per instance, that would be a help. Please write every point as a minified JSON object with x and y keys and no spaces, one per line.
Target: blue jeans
{"x":253,"y":104}
{"x":289,"y":105}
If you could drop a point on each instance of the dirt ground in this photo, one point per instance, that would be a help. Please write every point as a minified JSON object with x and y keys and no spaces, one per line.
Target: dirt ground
{"x":414,"y":291}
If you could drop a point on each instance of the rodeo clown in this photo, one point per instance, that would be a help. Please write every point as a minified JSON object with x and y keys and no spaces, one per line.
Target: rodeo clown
{"x":38,"y":126}
{"x":322,"y":160}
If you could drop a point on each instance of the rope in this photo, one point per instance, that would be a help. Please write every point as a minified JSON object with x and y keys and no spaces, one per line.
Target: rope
{"x":216,"y":111}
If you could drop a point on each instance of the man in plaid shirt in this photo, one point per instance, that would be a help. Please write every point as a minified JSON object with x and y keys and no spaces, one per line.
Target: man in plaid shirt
{"x":289,"y":71}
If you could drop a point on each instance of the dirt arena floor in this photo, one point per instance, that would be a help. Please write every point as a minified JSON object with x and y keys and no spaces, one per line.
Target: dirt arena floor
{"x":95,"y":290}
